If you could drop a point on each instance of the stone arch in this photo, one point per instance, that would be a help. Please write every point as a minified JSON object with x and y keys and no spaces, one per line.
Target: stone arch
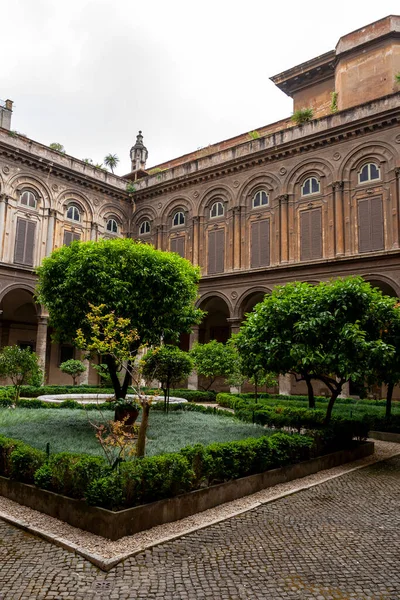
{"x":222,"y":192}
{"x":308,"y":167}
{"x":75,"y":197}
{"x":26,"y":180}
{"x":261,"y":180}
{"x":248,"y":300}
{"x":386,"y":284}
{"x":378,"y":151}
{"x":179,"y":202}
{"x":215,"y":325}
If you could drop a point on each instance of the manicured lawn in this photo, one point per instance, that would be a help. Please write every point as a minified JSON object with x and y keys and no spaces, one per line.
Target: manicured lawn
{"x":69,"y":430}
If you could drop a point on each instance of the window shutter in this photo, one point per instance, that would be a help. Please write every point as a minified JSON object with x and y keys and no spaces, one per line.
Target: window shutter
{"x":377,"y":240}
{"x":25,"y":242}
{"x":211,"y":252}
{"x":181,"y":246}
{"x":20,"y":241}
{"x":76,"y":237}
{"x":173,"y":245}
{"x":264,"y":243}
{"x":316,"y":233}
{"x":255,"y":245}
{"x":305,"y":228}
{"x":29,"y":243}
{"x":220,"y":251}
{"x":67,"y":238}
{"x":370,"y":225}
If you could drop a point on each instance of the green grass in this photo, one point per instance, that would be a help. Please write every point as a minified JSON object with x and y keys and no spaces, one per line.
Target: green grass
{"x":69,"y":430}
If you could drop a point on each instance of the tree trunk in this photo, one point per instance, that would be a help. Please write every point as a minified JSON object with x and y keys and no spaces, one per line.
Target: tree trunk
{"x":112,"y":369}
{"x":389,"y":395}
{"x":311,"y":398}
{"x":332,"y":400}
{"x":141,"y":442}
{"x":255,"y":389}
{"x":165,"y":398}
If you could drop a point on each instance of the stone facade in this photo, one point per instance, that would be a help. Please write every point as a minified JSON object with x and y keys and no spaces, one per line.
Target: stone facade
{"x":283,"y":203}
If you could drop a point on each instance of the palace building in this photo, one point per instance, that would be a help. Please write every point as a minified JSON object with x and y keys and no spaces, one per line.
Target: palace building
{"x":306,"y":200}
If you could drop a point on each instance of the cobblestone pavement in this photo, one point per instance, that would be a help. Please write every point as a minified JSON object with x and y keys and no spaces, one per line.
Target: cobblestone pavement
{"x":338,"y":540}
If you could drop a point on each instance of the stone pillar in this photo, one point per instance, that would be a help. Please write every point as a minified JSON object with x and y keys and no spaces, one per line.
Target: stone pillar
{"x":159,"y":233}
{"x":50,"y":231}
{"x":195,"y":250}
{"x":237,"y":237}
{"x":345,"y":390}
{"x":284,"y":234}
{"x":3,"y":206}
{"x":84,"y":378}
{"x":235,"y":324}
{"x":396,"y":210}
{"x":93,"y":232}
{"x":41,"y":341}
{"x":339,"y":221}
{"x":193,"y":380}
{"x":285,"y":384}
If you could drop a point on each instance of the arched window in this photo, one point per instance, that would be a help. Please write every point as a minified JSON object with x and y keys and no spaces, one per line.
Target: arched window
{"x":144,"y":228}
{"x":28,"y":198}
{"x":217,"y":210}
{"x":310,"y":186}
{"x":112,"y":226}
{"x":260,"y":198}
{"x":178,"y":219}
{"x":369,"y":172}
{"x":73,"y":213}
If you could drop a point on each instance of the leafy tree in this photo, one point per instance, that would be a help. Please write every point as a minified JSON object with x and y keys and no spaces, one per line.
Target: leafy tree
{"x":331,"y":332}
{"x":73,"y":367}
{"x":57,"y":146}
{"x":154,"y":290}
{"x":169,"y":365}
{"x":21,"y":366}
{"x":213,"y":360}
{"x":111,"y":161}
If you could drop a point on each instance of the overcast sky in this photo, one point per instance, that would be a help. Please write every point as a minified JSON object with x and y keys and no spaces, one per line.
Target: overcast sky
{"x":90,"y":73}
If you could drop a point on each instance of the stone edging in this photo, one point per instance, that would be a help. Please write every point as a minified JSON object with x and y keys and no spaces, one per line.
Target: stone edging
{"x":385,"y":436}
{"x":114,"y":525}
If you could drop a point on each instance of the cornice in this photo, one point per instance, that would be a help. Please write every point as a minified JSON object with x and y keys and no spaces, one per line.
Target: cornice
{"x":313,"y":138}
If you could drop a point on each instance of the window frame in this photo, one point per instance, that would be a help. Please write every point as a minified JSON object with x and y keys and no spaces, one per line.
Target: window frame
{"x":261,"y":205}
{"x":217,"y":203}
{"x":79,"y":212}
{"x":369,"y":180}
{"x":114,"y":221}
{"x":28,"y":191}
{"x":175,"y":215}
{"x":144,"y":222}
{"x":310,"y":193}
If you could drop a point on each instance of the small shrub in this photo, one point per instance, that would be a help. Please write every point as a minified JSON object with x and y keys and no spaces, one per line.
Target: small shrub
{"x":24,"y":462}
{"x":303,"y":115}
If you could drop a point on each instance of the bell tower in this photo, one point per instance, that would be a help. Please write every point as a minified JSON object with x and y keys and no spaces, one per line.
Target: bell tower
{"x":139,"y":155}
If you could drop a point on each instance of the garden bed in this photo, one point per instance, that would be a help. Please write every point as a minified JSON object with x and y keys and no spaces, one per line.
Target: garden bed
{"x":114,"y":525}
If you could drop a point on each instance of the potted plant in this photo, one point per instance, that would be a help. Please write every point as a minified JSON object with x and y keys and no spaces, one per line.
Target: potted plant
{"x":126,"y":409}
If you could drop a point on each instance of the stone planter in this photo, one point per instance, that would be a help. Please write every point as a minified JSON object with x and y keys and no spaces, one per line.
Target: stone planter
{"x":130,"y":413}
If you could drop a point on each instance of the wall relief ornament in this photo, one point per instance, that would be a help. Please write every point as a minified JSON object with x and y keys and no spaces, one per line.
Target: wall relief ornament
{"x":159,"y":205}
{"x":54,"y":187}
{"x":196,"y":194}
{"x":234,"y":295}
{"x":236,"y":183}
{"x":337,"y":156}
{"x":6,"y":169}
{"x":282,"y":171}
{"x":397,"y":139}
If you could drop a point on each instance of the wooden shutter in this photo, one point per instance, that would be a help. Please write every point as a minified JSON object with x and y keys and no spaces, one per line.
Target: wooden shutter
{"x":25,"y":242}
{"x":260,"y":256}
{"x":178,"y":245}
{"x":70,"y":236}
{"x":370,"y":225}
{"x":216,"y":251}
{"x":311,"y":234}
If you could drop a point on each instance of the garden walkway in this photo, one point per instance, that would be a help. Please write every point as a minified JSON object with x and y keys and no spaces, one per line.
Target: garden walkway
{"x":336,"y":540}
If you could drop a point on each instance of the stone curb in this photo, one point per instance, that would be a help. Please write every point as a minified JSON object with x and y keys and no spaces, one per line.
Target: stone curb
{"x":106,"y":564}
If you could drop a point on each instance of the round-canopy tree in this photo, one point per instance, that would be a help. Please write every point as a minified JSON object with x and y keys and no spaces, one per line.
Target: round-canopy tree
{"x":155,"y":290}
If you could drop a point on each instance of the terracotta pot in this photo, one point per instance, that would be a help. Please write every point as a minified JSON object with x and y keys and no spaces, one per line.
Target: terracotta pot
{"x":123,"y":411}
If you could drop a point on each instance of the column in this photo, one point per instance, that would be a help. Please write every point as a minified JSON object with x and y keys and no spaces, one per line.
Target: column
{"x":345,"y":390}
{"x":50,"y":231}
{"x":193,"y":380}
{"x":3,"y":205}
{"x":195,"y":249}
{"x":93,"y":232}
{"x":237,"y":237}
{"x":284,"y":234}
{"x":396,"y":210}
{"x":235,"y":324}
{"x":41,"y":341}
{"x":339,"y":221}
{"x":84,"y":378}
{"x":285,"y":384}
{"x":159,"y":231}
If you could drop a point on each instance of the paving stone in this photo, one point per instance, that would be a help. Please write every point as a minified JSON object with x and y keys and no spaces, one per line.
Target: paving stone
{"x":336,"y":541}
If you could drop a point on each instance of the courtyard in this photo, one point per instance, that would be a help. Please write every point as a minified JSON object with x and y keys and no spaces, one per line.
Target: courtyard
{"x":334,"y":541}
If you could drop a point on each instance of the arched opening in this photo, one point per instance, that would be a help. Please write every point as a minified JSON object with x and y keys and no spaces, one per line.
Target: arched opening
{"x":384,"y":286}
{"x":18,"y":319}
{"x":249,"y":302}
{"x":215,"y":325}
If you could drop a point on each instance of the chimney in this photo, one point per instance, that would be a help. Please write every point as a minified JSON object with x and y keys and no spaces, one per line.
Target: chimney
{"x":5,"y":113}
